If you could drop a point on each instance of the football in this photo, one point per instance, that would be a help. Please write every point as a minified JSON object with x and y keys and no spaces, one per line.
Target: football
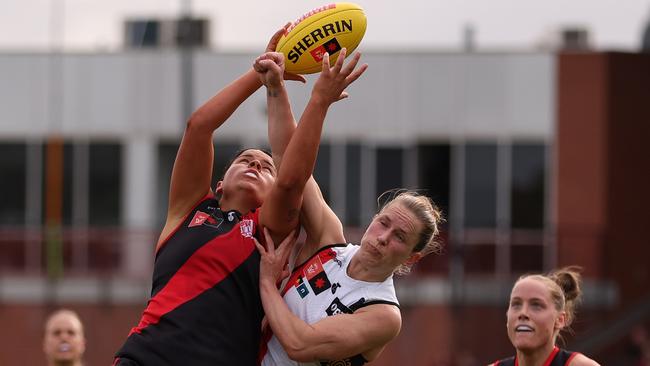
{"x":328,"y":28}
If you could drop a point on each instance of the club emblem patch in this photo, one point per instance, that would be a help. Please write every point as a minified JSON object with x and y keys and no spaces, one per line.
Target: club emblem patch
{"x":198,"y":219}
{"x":246,"y":227}
{"x":316,"y":276}
{"x":301,"y":287}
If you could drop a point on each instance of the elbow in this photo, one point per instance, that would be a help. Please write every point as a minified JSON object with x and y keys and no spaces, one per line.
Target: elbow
{"x":298,"y":349}
{"x":290,"y":183}
{"x":299,"y":354}
{"x":197,"y":122}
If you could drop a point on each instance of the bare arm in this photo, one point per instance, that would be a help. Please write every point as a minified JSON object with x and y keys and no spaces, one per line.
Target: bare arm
{"x":367,"y":330}
{"x":320,"y":223}
{"x":192,"y":171}
{"x":281,"y":207}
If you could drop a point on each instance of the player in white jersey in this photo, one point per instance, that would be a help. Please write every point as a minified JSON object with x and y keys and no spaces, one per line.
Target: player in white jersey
{"x":339,"y":304}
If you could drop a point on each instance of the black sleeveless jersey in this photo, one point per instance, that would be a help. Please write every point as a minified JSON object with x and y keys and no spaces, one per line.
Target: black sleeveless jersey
{"x":205,"y":307}
{"x":558,"y":357}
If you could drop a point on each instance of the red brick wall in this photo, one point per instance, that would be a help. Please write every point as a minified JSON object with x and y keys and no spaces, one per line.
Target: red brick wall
{"x":106,"y":327}
{"x":603,"y":167}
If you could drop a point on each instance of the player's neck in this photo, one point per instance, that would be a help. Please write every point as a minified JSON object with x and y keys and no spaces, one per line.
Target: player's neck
{"x":536,"y":357}
{"x":65,"y":363}
{"x":242,"y":205}
{"x":359,"y":270}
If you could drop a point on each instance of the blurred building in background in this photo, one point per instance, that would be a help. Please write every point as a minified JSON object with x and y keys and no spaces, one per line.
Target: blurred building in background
{"x":538,"y":159}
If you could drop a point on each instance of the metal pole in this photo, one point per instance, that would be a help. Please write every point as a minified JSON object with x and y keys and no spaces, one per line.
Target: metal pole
{"x":187,"y":64}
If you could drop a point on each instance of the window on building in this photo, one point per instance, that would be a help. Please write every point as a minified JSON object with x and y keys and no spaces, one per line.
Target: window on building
{"x":480,"y":185}
{"x":13,"y":165}
{"x":166,"y":156}
{"x":105,"y":176}
{"x":68,"y":186}
{"x":322,"y":170}
{"x":526,"y":258}
{"x":389,"y":169}
{"x":527,"y":192}
{"x":434,"y":172}
{"x":353,"y":185}
{"x":479,"y":258}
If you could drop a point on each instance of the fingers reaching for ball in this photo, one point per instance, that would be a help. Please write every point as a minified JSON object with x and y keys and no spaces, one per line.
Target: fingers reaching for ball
{"x":334,"y":79}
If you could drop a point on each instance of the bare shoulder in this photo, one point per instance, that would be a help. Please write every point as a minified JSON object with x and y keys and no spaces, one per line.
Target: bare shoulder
{"x":582,"y":360}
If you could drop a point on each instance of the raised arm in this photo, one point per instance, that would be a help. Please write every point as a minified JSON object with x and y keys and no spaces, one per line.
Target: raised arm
{"x":282,"y":205}
{"x":319,"y":221}
{"x":367,"y":330}
{"x":192,"y":172}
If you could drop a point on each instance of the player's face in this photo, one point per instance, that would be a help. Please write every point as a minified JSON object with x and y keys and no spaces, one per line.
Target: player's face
{"x":391,"y":237}
{"x":251,"y":173}
{"x":532,"y":318}
{"x":64,"y":339}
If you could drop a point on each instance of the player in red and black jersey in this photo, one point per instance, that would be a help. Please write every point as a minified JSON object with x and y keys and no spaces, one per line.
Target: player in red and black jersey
{"x":205,"y":307}
{"x":542,"y":306}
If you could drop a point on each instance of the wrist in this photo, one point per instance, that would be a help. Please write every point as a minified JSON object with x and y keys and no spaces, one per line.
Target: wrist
{"x":275,"y":90}
{"x":320,"y":101}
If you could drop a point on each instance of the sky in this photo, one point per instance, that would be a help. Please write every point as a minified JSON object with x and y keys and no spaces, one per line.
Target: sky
{"x":246,"y":25}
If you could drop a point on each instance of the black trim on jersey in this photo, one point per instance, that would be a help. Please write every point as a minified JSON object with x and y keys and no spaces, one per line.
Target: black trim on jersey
{"x":560,"y":359}
{"x":317,"y":252}
{"x":357,"y":360}
{"x":361,"y":304}
{"x":162,"y":244}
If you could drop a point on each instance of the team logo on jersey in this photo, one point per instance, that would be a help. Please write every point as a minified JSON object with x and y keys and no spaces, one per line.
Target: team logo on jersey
{"x":335,"y":286}
{"x":316,"y":276}
{"x":301,"y":287}
{"x":198,"y":219}
{"x":246,"y":227}
{"x":337,"y":307}
{"x":202,"y":218}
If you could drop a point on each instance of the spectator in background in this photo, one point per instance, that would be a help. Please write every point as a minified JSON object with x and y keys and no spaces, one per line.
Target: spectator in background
{"x":64,"y":342}
{"x":542,"y":306}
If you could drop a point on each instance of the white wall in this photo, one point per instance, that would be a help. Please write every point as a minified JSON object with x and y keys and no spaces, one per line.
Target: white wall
{"x":402,"y":97}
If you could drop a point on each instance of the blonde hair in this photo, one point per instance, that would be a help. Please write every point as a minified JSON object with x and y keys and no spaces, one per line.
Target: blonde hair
{"x":426,"y":211}
{"x":564,"y":287}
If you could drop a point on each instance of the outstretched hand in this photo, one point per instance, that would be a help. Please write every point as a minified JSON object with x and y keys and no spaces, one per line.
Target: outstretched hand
{"x":273,"y":260}
{"x":330,"y":86}
{"x":273,"y":44}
